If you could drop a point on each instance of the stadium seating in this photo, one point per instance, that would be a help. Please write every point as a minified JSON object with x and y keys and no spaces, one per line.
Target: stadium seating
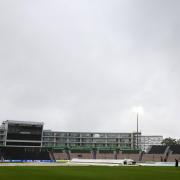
{"x":162,"y":153}
{"x":129,"y":154}
{"x":73,"y":153}
{"x":105,"y":156}
{"x":135,"y":157}
{"x":22,"y":154}
{"x":60,"y":156}
{"x":81,"y":155}
{"x":175,"y":149}
{"x":130,"y":151}
{"x":153,"y":157}
{"x":1,"y":155}
{"x":172,"y":157}
{"x":51,"y":155}
{"x":173,"y":153}
{"x":156,"y":153}
{"x":157,"y":149}
{"x":105,"y":153}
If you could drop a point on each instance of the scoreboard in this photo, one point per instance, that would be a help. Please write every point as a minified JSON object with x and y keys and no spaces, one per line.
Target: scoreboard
{"x":24,"y":134}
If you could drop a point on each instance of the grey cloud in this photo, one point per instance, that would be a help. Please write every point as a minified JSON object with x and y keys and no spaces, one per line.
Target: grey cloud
{"x":83,"y":65}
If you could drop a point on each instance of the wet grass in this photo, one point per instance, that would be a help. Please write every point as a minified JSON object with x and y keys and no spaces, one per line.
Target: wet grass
{"x":89,"y":173}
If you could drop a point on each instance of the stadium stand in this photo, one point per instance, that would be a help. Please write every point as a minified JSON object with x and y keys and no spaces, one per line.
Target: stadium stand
{"x":81,"y":153}
{"x":156,"y":153}
{"x":25,"y":154}
{"x":105,"y":153}
{"x":1,"y":155}
{"x":175,"y":149}
{"x":129,"y":154}
{"x":27,"y":140}
{"x":153,"y":157}
{"x":173,"y":153}
{"x":105,"y":156}
{"x":172,"y":157}
{"x":60,"y":153}
{"x":60,"y":156}
{"x":93,"y":154}
{"x":157,"y":149}
{"x":51,"y":155}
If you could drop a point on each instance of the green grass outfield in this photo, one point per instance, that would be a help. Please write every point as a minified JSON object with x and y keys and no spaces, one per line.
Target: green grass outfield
{"x":89,"y":173}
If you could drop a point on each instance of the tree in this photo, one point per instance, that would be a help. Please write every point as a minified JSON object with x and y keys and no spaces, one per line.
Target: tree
{"x":169,"y":141}
{"x":178,"y":141}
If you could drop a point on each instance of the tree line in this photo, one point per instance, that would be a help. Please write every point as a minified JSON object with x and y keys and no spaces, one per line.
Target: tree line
{"x":170,"y":141}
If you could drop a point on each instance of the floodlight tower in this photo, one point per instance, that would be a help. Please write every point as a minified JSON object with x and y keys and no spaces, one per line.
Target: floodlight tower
{"x":137,"y":129}
{"x":137,"y":110}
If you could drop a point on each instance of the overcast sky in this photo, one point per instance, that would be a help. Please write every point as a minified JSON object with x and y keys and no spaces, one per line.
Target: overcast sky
{"x":82,"y":65}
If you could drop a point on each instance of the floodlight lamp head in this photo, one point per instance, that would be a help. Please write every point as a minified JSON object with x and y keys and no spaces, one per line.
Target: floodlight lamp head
{"x":138,"y":110}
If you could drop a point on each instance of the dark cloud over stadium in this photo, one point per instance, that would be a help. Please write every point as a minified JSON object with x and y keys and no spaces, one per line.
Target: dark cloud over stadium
{"x":83,"y":65}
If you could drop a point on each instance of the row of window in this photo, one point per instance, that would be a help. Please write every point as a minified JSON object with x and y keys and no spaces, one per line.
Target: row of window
{"x":48,"y":144}
{"x":88,"y":140}
{"x":95,"y":135}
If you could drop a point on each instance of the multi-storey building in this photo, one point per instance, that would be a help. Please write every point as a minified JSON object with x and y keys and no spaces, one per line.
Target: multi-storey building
{"x":2,"y":136}
{"x":31,"y":134}
{"x":88,"y":139}
{"x":147,"y":141}
{"x":21,"y":133}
